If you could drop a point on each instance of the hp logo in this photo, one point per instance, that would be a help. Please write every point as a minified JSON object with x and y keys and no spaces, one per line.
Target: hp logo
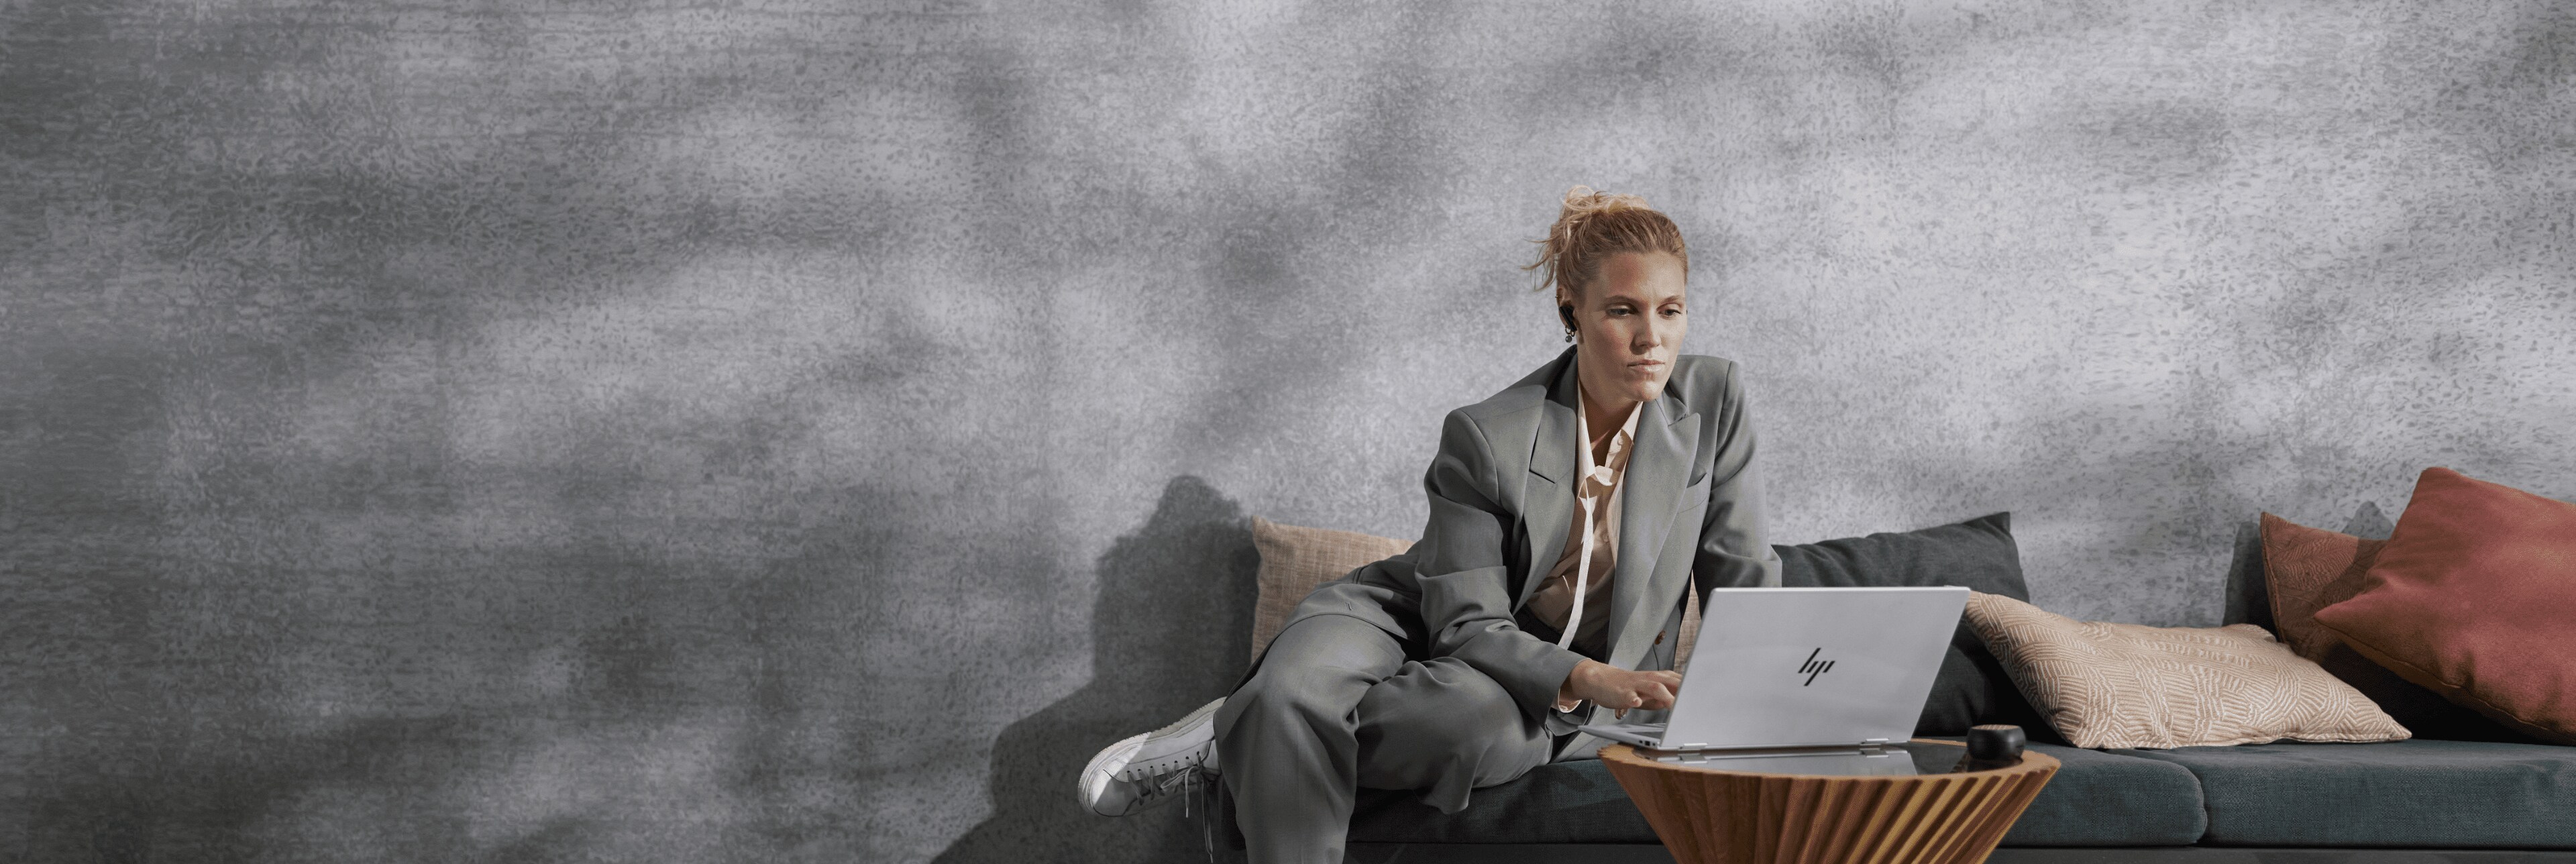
{"x":1814,"y":667}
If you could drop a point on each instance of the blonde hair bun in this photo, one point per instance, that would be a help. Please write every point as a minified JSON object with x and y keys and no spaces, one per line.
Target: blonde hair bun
{"x":1591,"y":226}
{"x":1582,"y":201}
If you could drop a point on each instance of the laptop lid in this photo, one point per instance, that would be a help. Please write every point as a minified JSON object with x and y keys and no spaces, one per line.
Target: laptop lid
{"x":1799,"y":667}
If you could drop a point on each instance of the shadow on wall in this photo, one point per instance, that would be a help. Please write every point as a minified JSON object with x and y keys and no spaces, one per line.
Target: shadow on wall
{"x":1170,"y":631}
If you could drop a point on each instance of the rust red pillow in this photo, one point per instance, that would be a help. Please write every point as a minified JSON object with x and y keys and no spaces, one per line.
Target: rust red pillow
{"x":2474,"y":596}
{"x":2306,"y":569}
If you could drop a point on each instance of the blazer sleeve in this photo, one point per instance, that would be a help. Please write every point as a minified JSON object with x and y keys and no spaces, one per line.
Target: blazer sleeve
{"x":1464,"y":576}
{"x":1734,"y":551}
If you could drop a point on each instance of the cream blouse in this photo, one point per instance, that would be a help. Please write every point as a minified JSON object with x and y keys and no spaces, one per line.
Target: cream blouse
{"x":1575,"y":599}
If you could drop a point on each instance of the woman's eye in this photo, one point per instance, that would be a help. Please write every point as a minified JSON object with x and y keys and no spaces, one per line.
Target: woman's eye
{"x":1672,"y":312}
{"x":1619,"y":312}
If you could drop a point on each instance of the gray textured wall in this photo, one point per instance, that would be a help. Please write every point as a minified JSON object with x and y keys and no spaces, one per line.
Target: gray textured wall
{"x":778,"y":431}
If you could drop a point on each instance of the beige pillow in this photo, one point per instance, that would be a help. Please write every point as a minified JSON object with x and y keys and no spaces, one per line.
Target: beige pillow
{"x":2128,"y":685}
{"x":1294,"y":560}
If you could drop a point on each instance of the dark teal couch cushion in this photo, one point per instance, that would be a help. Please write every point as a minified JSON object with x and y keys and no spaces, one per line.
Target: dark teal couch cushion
{"x":1563,"y":802}
{"x":2452,"y":794}
{"x":2096,"y":799}
{"x":2110,"y":799}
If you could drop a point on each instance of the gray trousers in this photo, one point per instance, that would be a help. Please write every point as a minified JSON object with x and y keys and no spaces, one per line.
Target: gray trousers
{"x":1335,"y":706}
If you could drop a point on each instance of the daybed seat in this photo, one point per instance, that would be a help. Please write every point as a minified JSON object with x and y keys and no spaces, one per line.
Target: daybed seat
{"x":2405,"y":794}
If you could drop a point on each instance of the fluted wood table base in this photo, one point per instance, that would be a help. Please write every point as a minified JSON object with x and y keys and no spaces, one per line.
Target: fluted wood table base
{"x":1707,"y":816}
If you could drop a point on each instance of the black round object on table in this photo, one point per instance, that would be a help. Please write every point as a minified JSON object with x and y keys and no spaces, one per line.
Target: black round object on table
{"x":1994,"y":745}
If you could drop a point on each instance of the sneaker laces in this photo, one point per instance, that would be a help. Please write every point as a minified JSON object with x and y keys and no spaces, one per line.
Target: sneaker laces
{"x":1181,"y":782}
{"x":1189,"y":783}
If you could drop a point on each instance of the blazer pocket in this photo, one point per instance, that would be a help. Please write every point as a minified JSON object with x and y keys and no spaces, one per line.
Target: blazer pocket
{"x":1693,"y":504}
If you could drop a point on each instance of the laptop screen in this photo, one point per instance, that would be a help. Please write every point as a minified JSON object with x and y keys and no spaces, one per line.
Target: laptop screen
{"x":1781,"y":667}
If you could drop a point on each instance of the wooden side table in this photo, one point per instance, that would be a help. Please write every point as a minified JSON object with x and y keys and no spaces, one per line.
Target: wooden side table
{"x":1708,"y":814}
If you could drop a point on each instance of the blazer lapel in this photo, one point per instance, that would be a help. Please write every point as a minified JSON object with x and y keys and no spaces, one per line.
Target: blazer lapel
{"x":1650,"y":494}
{"x":1547,"y":501}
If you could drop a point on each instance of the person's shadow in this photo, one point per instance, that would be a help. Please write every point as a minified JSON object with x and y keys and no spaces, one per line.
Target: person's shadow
{"x":1172,"y":630}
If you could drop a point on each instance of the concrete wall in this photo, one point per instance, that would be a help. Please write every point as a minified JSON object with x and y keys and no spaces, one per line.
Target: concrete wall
{"x":453,"y":431}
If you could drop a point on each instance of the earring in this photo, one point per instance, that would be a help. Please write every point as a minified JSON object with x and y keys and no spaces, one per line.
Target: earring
{"x":1569,"y":337}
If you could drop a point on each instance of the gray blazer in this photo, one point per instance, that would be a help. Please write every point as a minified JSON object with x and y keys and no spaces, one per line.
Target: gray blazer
{"x":1502,"y":500}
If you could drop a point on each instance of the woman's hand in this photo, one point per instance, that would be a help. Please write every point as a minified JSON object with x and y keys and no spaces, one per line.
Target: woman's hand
{"x":1612,"y":687}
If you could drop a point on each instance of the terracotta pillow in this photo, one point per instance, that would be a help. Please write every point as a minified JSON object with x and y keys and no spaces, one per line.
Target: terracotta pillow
{"x":1294,"y":560}
{"x":2307,"y":569}
{"x":2474,"y":596}
{"x":2108,"y":685}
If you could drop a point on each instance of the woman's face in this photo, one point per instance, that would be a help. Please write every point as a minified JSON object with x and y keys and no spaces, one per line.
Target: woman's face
{"x":1629,"y":326}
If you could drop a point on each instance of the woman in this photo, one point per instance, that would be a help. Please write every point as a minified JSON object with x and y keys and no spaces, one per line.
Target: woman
{"x":1576,"y":516}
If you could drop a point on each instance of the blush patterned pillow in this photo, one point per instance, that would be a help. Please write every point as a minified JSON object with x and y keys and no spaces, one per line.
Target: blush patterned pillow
{"x":1295,"y":559}
{"x":2107,"y":685}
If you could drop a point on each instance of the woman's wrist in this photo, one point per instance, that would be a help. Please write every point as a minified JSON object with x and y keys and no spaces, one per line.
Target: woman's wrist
{"x":1568,"y":693}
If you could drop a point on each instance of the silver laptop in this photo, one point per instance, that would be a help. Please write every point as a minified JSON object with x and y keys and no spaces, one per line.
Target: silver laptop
{"x":1776,"y":669}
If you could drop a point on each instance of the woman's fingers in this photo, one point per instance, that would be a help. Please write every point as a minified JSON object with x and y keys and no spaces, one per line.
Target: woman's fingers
{"x":1650,"y":694}
{"x":1628,"y":690}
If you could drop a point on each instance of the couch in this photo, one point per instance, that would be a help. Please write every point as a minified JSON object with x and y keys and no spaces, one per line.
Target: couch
{"x":2505,"y":799}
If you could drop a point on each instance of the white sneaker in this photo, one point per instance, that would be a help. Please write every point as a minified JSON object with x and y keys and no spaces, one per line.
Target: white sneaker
{"x":1154,"y":768}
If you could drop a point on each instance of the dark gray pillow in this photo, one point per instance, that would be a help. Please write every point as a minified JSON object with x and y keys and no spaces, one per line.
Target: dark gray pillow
{"x":1978,"y":554}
